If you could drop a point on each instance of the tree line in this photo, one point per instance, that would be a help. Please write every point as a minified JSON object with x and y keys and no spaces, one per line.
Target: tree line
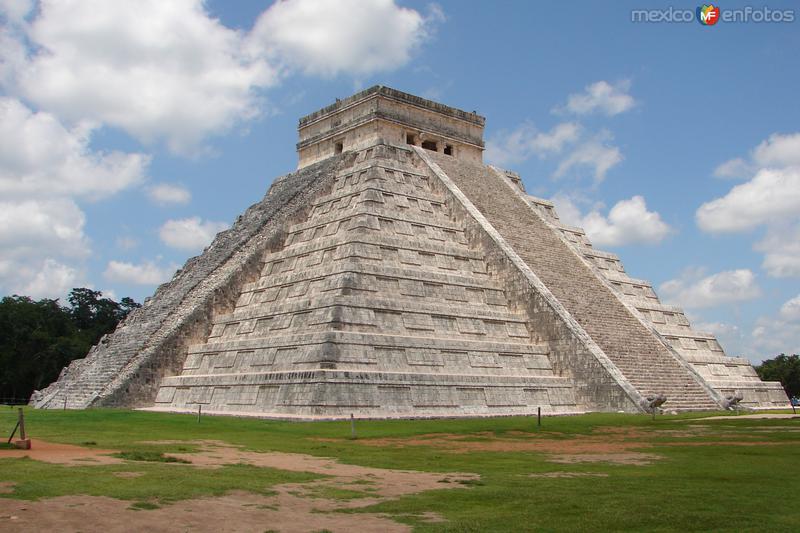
{"x":783,"y":368}
{"x":39,"y":338}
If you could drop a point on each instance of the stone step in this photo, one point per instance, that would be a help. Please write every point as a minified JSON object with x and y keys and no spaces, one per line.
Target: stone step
{"x":629,"y":345}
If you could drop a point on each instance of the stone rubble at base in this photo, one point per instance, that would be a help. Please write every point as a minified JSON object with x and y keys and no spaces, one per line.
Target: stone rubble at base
{"x":396,"y":275}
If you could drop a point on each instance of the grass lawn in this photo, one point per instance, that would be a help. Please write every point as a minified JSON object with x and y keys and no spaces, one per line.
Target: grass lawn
{"x":697,"y":475}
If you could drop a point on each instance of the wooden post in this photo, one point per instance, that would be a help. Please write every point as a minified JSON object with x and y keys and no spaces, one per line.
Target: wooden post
{"x":23,"y":442}
{"x":65,"y":401}
{"x":199,"y":411}
{"x":352,"y":426}
{"x":538,"y":417}
{"x":22,"y":435}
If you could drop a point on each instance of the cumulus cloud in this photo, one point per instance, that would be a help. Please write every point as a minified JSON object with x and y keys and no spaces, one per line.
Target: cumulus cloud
{"x":781,"y":248}
{"x":52,"y":280}
{"x":49,"y":226}
{"x":169,"y":71}
{"x":597,"y":153}
{"x":628,"y":222}
{"x":38,"y":238}
{"x":778,"y":151}
{"x":327,"y":38}
{"x":40,"y":156}
{"x":166,"y":194}
{"x":512,"y":147}
{"x":734,"y":168}
{"x":773,"y":335}
{"x":693,"y":290}
{"x":44,"y":167}
{"x":145,"y":273}
{"x":771,"y":196}
{"x":601,"y":97}
{"x":191,"y":234}
{"x":791,"y":309}
{"x":158,"y":70}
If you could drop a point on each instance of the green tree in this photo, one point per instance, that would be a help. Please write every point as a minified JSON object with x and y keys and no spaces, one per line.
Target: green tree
{"x":783,"y":368}
{"x":39,"y":338}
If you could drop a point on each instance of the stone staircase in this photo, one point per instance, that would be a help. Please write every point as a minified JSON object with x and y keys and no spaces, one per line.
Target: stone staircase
{"x":643,"y":359}
{"x":376,"y":303}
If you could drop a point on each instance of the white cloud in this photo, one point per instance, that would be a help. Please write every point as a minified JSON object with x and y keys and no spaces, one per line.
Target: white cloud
{"x":37,"y":237}
{"x":602,"y":97}
{"x":694,"y":291}
{"x":729,"y":335}
{"x":628,"y":222}
{"x":145,"y":273}
{"x":166,"y":194}
{"x":190,"y":233}
{"x":15,"y":10}
{"x":774,"y":335}
{"x":35,"y":228}
{"x":158,"y":70}
{"x":781,"y":248}
{"x":566,"y":206}
{"x":778,"y":151}
{"x":771,"y":196}
{"x":169,"y":71}
{"x":734,"y":168}
{"x":39,"y":156}
{"x":43,"y":167}
{"x":791,"y":309}
{"x":352,"y":36}
{"x":508,"y":148}
{"x":53,"y":280}
{"x":596,"y":153}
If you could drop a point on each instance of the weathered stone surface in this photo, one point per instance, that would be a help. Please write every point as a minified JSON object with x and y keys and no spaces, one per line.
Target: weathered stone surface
{"x":395,"y":281}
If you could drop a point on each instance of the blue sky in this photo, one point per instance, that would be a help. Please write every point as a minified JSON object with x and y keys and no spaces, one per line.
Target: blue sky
{"x":134,"y":131}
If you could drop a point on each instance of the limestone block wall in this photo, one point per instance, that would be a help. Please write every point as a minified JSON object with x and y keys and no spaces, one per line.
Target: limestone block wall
{"x":376,"y":303}
{"x":125,"y":368}
{"x":726,"y":374}
{"x":647,"y":363}
{"x":598,"y":383}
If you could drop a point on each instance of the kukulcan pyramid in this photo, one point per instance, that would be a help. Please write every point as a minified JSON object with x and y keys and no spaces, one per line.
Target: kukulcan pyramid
{"x":396,"y":275}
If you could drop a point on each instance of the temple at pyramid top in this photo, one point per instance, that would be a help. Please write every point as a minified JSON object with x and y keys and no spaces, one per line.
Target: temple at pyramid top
{"x":382,"y":114}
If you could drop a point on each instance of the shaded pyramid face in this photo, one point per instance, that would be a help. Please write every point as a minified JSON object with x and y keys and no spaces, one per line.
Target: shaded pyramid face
{"x":377,"y":304}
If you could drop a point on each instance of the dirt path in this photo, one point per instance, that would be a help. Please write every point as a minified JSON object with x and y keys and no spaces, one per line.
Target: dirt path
{"x":617,"y":445}
{"x":66,"y":454}
{"x":296,"y":507}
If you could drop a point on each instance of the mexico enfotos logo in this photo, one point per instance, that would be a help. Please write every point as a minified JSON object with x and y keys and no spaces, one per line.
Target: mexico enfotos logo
{"x":711,"y":14}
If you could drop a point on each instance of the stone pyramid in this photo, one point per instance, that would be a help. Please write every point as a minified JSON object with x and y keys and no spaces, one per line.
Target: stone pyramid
{"x":396,"y":275}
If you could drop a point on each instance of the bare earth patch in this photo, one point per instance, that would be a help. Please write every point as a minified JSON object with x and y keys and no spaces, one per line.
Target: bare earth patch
{"x":384,"y":483}
{"x":237,"y":511}
{"x":128,"y":475}
{"x":6,"y":487}
{"x":294,"y":507}
{"x":619,"y":445}
{"x":66,"y":454}
{"x":568,"y":474}
{"x":628,"y":458}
